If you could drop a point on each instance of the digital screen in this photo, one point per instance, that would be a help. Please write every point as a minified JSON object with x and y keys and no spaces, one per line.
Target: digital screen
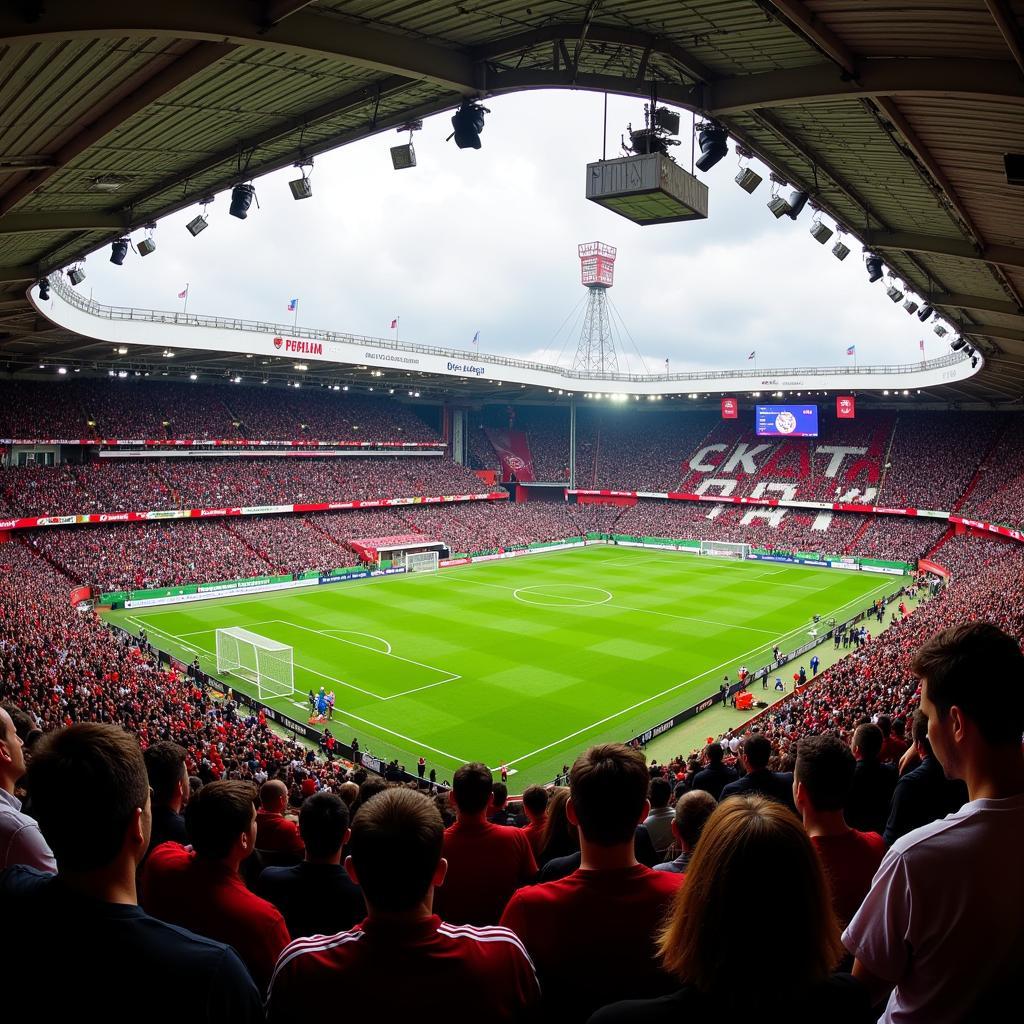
{"x":787,"y":421}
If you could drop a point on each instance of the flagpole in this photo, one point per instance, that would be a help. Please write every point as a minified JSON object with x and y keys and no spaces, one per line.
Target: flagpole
{"x":296,"y":318}
{"x":185,"y":308}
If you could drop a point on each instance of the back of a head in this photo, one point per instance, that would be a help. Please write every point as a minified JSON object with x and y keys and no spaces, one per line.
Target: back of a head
{"x":979,"y":669}
{"x":884,"y":723}
{"x":692,"y":812}
{"x":395,"y":847}
{"x":535,"y":800}
{"x":660,"y":792}
{"x":472,"y":786}
{"x":216,"y":817}
{"x":714,"y":753}
{"x":500,"y":791}
{"x":348,"y":791}
{"x":758,"y":751}
{"x":919,"y":731}
{"x":825,"y":768}
{"x":165,"y":766}
{"x":273,"y":794}
{"x":868,"y":740}
{"x":323,"y":822}
{"x":743,"y":838}
{"x":87,"y":782}
{"x":608,"y":788}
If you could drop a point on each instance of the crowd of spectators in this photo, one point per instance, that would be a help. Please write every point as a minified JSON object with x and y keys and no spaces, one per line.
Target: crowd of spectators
{"x":901,"y":538}
{"x":142,"y":409}
{"x":997,"y":492}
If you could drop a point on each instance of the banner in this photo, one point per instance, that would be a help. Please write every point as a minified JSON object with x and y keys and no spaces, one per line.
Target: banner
{"x":229,"y":442}
{"x":514,"y":451}
{"x":730,"y":409}
{"x":846,"y":407}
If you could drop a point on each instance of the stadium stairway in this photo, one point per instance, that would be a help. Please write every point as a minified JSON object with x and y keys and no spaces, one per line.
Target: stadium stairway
{"x":934,"y":549}
{"x":861,"y":530}
{"x":983,"y":466}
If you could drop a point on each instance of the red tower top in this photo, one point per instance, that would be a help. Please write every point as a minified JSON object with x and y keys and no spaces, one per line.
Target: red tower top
{"x":597,"y":264}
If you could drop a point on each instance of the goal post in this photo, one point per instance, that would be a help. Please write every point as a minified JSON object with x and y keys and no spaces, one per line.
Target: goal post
{"x":421,"y":561}
{"x":724,"y":549}
{"x":257,"y":659}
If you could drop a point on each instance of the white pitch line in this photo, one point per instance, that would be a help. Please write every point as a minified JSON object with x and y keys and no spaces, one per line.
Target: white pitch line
{"x":730,"y":661}
{"x":417,"y":689}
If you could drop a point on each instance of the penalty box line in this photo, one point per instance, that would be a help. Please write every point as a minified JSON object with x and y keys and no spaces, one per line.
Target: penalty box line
{"x":417,"y":744}
{"x":685,"y":682}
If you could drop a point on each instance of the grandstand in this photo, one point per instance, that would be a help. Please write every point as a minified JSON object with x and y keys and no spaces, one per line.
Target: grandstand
{"x":273,"y":595}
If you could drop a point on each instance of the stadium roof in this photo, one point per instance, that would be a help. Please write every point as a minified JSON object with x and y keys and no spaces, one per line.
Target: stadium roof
{"x":895,"y":117}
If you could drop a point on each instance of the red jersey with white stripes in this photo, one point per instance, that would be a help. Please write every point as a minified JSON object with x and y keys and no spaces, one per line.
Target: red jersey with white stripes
{"x":426,"y":970}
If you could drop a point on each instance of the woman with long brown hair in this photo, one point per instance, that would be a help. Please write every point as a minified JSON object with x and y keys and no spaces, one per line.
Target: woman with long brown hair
{"x":752,"y":929}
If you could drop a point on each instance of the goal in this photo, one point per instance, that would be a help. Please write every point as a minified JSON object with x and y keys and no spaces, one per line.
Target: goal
{"x":724,"y":549}
{"x":257,"y":659}
{"x":421,"y":561}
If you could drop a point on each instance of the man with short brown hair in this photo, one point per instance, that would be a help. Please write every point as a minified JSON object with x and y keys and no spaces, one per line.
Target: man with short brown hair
{"x":200,"y":888}
{"x":592,"y":934}
{"x":403,"y":962}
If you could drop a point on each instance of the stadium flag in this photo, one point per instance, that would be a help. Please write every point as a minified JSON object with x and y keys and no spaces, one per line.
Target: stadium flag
{"x":851,"y":350}
{"x":920,"y":345}
{"x":730,"y":409}
{"x":293,"y":304}
{"x":752,"y":354}
{"x":394,"y":324}
{"x":183,"y":294}
{"x":846,"y":407}
{"x":666,"y":367}
{"x":476,"y":339}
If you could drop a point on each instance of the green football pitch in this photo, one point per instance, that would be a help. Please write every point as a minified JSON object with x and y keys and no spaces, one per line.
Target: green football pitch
{"x":521,"y":661}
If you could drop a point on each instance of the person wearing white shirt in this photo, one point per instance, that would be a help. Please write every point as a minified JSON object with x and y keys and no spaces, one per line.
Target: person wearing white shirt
{"x":940,"y":935}
{"x":21,"y":842}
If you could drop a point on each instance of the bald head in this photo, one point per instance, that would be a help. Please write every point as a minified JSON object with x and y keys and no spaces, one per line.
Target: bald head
{"x":274,"y":796}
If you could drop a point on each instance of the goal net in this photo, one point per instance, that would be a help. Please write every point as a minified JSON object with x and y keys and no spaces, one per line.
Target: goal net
{"x":421,"y":561}
{"x":724,"y":549}
{"x":257,"y":659}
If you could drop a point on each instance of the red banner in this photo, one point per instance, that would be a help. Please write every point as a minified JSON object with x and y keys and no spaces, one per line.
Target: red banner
{"x":230,"y":442}
{"x":730,"y":409}
{"x":846,"y":407}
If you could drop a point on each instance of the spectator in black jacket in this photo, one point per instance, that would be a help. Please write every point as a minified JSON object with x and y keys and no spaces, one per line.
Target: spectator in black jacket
{"x":756,"y":753}
{"x":168,"y":778}
{"x":716,"y":776}
{"x":925,"y":794}
{"x":867,"y":807}
{"x":317,"y":897}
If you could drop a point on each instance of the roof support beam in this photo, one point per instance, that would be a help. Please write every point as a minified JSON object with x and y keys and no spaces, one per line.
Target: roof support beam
{"x":975,"y":303}
{"x":812,"y":28}
{"x":10,"y":164}
{"x":40,"y":220}
{"x":18,"y":273}
{"x":1003,"y":255}
{"x":985,"y":331}
{"x":1006,"y":22}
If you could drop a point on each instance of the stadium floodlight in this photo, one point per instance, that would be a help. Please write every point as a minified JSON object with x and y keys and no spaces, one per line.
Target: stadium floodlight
{"x":820,"y":232}
{"x":926,"y":312}
{"x":958,"y":344}
{"x":468,"y":122}
{"x":241,"y":199}
{"x":797,"y":201}
{"x":118,"y":251}
{"x":44,"y":289}
{"x":748,"y":179}
{"x":302,"y":188}
{"x":197,"y":225}
{"x":404,"y":156}
{"x":874,"y":265}
{"x":840,"y":250}
{"x":940,"y":330}
{"x":893,"y":292}
{"x":147,"y":245}
{"x":713,"y":140}
{"x":974,"y":362}
{"x":778,"y":206}
{"x":910,"y":306}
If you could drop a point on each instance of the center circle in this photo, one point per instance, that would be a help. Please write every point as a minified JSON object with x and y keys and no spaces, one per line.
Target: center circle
{"x":548,"y":595}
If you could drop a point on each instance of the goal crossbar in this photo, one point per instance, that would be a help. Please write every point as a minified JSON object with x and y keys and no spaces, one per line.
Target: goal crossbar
{"x":258,"y":659}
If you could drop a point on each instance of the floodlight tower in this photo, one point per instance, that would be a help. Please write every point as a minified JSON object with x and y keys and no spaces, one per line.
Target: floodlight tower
{"x":596,"y":350}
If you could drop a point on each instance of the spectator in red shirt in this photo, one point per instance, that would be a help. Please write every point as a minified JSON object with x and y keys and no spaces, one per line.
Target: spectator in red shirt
{"x":403,"y":963}
{"x":275,"y":833}
{"x":486,"y":862}
{"x":199,"y":887}
{"x":822,"y":781}
{"x":592,"y":934}
{"x":535,"y":805}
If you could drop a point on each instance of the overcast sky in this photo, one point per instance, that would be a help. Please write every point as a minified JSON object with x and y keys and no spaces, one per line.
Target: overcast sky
{"x":486,"y":241}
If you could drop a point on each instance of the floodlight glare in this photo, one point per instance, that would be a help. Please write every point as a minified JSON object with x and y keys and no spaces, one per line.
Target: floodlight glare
{"x":44,"y":289}
{"x":713,"y":140}
{"x":468,"y":122}
{"x":118,"y":251}
{"x":840,"y":250}
{"x":241,"y":200}
{"x":874,"y":265}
